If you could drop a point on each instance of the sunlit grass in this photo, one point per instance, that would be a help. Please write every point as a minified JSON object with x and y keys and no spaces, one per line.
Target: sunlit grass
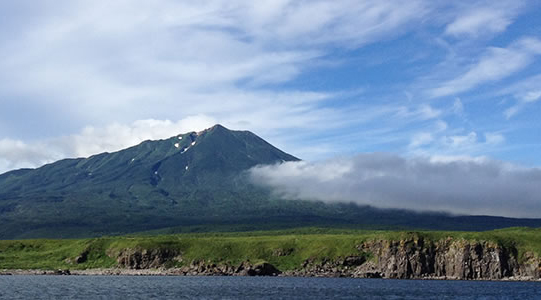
{"x":286,"y":249}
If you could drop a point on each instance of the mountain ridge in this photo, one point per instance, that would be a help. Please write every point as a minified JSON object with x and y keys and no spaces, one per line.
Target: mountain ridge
{"x":181,"y":177}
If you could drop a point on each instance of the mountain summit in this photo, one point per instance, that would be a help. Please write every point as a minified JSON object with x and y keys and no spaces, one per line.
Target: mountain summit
{"x":196,"y":180}
{"x":183,"y":179}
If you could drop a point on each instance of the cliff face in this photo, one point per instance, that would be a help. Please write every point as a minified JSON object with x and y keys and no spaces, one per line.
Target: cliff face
{"x":147,"y":258}
{"x":404,"y":259}
{"x":417,"y":258}
{"x":453,"y":259}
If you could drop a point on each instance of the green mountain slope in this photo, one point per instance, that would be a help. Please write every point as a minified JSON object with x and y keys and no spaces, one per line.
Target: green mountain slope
{"x":194,"y":179}
{"x":183,"y":179}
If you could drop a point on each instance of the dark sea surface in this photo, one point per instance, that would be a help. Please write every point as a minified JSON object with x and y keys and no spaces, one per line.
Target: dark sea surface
{"x":161,"y":287}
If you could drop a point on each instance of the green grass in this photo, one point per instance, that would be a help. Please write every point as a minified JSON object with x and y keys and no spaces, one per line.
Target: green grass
{"x":233,"y":248}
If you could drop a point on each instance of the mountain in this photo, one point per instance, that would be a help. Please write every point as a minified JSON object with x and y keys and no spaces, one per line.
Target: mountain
{"x":197,"y":179}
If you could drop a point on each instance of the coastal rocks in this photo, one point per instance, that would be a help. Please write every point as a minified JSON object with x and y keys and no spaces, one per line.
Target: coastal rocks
{"x":62,"y":272}
{"x":262,"y":269}
{"x":397,"y":259}
{"x":531,"y":266}
{"x":243,"y":269}
{"x":153,"y":262}
{"x":266,"y":269}
{"x":35,"y":272}
{"x":456,"y":259}
{"x":473,"y":260}
{"x":353,"y":261}
{"x":202,"y":268}
{"x":139,"y":259}
{"x":414,"y":257}
{"x":147,"y":258}
{"x":417,"y":258}
{"x":326,"y":267}
{"x":446,"y":259}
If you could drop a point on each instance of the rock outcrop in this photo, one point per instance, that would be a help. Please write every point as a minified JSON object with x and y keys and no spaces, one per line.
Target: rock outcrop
{"x":530,"y":266}
{"x":202,"y":268}
{"x":262,"y":269}
{"x":160,"y":258}
{"x":414,"y":257}
{"x":147,"y":258}
{"x":453,"y":259}
{"x":417,"y":258}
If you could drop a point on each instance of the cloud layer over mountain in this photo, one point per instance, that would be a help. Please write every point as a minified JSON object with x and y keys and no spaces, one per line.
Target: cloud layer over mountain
{"x":460,"y":185}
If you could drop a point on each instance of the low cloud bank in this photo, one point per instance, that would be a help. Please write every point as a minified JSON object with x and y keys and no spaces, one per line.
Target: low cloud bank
{"x":459,"y":185}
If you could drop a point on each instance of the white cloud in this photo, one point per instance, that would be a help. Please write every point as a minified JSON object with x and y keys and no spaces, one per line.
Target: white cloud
{"x":15,"y":154}
{"x":461,"y":185}
{"x":484,"y":18}
{"x":523,"y":99}
{"x":103,"y":65}
{"x":496,"y":64}
{"x":525,"y":92}
{"x":449,"y":159}
{"x":317,"y":22}
{"x":461,"y":141}
{"x":441,"y":126}
{"x":116,"y":136}
{"x":422,"y":112}
{"x":512,"y":111}
{"x":101,"y":62}
{"x":420,"y":139}
{"x":427,"y":112}
{"x":441,"y":141}
{"x":532,"y":96}
{"x":105,"y":56}
{"x":94,"y":140}
{"x":494,"y":138}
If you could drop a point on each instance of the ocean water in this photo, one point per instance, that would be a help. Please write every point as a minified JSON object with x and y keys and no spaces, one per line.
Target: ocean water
{"x":160,"y":287}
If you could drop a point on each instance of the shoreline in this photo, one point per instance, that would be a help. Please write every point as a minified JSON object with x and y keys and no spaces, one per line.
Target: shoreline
{"x":493,"y":256}
{"x":181,"y":273}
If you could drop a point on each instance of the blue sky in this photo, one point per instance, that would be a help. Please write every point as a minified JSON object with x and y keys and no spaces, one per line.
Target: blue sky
{"x":440,"y":81}
{"x":316,"y":78}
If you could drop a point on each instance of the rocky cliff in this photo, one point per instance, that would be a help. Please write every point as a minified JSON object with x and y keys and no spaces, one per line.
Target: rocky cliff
{"x":142,"y":259}
{"x":417,"y":258}
{"x":404,"y":259}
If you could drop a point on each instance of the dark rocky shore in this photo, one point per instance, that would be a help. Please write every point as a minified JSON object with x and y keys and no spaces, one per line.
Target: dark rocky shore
{"x":404,"y":259}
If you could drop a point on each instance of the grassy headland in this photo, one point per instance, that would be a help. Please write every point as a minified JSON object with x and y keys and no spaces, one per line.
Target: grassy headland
{"x":284,"y":249}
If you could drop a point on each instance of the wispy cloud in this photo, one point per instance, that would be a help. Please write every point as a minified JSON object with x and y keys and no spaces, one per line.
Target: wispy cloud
{"x":444,"y":142}
{"x":101,"y":63}
{"x":91,"y":70}
{"x":485,"y":17}
{"x":121,"y":54}
{"x":420,"y":139}
{"x":525,"y":92}
{"x":461,"y":141}
{"x":494,"y":65}
{"x":458,"y":107}
{"x":494,"y":138}
{"x":461,"y":185}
